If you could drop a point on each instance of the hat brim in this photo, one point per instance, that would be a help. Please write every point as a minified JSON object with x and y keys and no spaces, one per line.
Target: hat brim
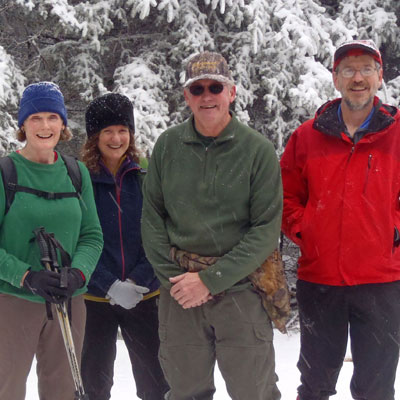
{"x":218,"y":78}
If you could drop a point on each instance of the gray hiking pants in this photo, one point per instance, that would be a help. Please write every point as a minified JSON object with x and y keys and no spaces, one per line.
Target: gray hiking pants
{"x":25,"y":331}
{"x":234,"y":330}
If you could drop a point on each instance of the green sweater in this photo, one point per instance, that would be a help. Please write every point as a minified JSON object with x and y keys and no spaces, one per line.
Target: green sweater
{"x":221,"y":200}
{"x":74,"y":223}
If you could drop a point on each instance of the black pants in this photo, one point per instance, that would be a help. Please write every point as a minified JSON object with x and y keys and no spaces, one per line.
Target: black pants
{"x":139,"y":328}
{"x":328,"y":314}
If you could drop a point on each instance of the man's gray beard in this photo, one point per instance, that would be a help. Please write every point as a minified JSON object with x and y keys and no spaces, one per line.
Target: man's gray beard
{"x":358,"y":107}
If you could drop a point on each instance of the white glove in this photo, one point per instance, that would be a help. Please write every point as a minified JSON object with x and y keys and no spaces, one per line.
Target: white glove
{"x":125,"y":294}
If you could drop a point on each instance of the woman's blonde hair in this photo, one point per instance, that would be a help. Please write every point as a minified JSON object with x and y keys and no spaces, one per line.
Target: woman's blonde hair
{"x":91,"y":155}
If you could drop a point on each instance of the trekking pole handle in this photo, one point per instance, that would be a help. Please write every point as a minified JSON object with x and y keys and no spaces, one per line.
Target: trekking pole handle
{"x":43,"y":247}
{"x":64,"y":278}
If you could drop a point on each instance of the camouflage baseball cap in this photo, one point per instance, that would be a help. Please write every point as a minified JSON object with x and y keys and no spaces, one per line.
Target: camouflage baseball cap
{"x":207,"y":65}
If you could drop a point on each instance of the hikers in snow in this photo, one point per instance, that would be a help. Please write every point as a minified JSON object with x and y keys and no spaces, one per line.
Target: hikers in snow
{"x":341,"y":183}
{"x":211,"y":215}
{"x":123,"y":291}
{"x":25,"y":330}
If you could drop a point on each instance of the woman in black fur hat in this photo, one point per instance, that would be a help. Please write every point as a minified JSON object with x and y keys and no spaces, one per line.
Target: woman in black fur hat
{"x":123,"y":290}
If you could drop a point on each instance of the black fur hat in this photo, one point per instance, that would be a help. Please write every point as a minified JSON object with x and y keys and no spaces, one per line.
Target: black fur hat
{"x":109,"y":109}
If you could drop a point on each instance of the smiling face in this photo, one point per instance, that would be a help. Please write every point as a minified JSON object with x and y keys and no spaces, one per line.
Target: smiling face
{"x":113,"y":144}
{"x":358,"y":91}
{"x":211,"y":111}
{"x":42,"y":131}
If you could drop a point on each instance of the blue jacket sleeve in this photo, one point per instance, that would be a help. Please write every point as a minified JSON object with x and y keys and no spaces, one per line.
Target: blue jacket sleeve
{"x":143,"y":273}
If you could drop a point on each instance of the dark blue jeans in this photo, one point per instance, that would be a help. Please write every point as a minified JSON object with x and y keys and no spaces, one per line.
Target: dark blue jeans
{"x":139,"y":329}
{"x":370,"y":315}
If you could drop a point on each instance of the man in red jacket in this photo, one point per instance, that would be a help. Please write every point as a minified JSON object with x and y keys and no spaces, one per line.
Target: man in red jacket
{"x":341,"y":178}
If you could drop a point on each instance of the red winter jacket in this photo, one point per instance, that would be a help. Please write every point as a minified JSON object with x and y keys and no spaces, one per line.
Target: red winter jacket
{"x":341,"y":200}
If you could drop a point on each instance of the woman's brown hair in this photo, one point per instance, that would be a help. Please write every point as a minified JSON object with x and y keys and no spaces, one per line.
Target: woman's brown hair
{"x":91,"y":154}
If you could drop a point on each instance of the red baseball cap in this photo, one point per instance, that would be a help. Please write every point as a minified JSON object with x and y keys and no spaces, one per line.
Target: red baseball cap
{"x":356,"y":47}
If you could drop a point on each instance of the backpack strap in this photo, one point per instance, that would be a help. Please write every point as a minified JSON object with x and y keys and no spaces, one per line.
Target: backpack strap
{"x":10,"y":180}
{"x":41,"y":193}
{"x":73,"y":171}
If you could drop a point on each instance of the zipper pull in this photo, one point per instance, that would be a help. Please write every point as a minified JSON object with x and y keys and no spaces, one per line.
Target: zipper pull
{"x":369,"y":161}
{"x":351,"y":153}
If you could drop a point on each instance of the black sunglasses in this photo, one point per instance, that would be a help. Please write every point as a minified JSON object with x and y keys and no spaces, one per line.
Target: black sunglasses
{"x":198,"y":90}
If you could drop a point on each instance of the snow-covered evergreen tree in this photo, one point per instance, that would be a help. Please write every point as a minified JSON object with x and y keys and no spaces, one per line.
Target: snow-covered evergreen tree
{"x":280,"y":53}
{"x":11,"y":84}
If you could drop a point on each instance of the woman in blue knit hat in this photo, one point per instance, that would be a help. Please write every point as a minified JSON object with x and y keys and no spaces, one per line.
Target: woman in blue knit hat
{"x":123,"y":291}
{"x":45,"y":197}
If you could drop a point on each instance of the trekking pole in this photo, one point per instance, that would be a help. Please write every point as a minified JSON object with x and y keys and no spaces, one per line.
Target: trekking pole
{"x":48,"y":259}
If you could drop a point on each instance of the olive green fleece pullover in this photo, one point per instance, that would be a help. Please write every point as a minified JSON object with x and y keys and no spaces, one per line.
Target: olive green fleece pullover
{"x":221,"y":200}
{"x":74,"y":223}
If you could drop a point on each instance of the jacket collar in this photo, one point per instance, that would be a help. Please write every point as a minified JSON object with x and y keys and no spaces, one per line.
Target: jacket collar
{"x":105,"y":176}
{"x":326,"y":120}
{"x":229,"y":133}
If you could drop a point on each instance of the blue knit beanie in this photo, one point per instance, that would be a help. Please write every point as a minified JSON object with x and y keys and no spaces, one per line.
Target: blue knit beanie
{"x":41,"y":97}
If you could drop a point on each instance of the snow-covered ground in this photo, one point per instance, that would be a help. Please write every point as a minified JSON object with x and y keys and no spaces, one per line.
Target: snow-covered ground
{"x":286,"y":348}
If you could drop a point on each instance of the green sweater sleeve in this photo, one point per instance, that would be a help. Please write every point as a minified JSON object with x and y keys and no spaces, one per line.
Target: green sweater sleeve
{"x":90,"y":242}
{"x":155,"y":237}
{"x":12,"y":269}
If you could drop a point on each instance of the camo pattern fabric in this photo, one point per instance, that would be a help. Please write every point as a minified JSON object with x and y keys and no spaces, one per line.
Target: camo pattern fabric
{"x":269,"y":280}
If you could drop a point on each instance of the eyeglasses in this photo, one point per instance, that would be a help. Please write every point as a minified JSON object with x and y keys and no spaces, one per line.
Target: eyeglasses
{"x":350,"y":72}
{"x":198,"y":90}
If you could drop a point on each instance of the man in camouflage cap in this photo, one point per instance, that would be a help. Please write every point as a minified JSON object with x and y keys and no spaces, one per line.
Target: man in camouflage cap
{"x":208,"y":65}
{"x":212,"y":195}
